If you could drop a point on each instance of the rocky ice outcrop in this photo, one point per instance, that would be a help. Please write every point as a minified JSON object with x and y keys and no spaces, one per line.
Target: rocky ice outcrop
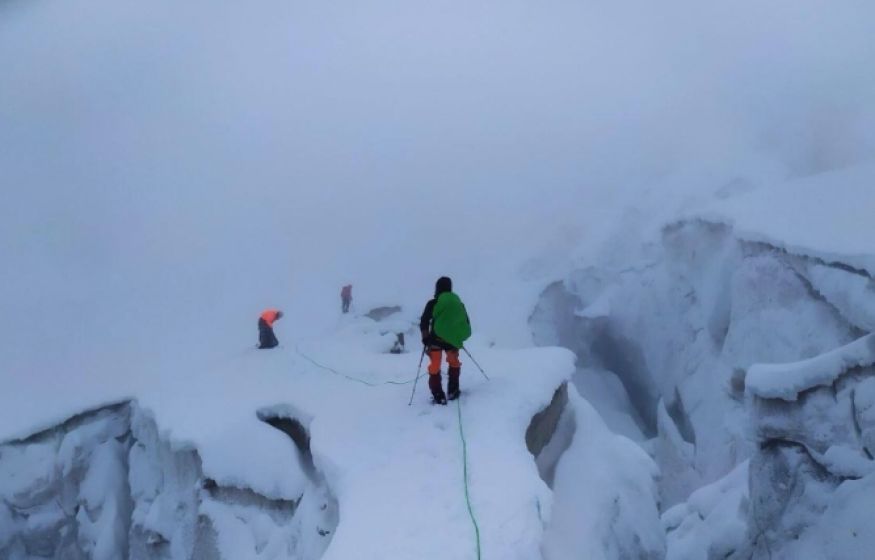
{"x":681,"y":334}
{"x":106,"y":485}
{"x":683,"y":326}
{"x":713,"y":522}
{"x":605,"y":493}
{"x":676,"y":457}
{"x":786,"y":382}
{"x":548,"y":435}
{"x":64,"y":492}
{"x":604,"y":486}
{"x":815,"y":431}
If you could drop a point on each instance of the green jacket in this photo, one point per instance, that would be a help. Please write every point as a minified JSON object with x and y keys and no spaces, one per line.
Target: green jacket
{"x":451,"y":321}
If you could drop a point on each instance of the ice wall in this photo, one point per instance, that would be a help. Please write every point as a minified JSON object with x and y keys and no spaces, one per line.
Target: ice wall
{"x":605,"y":495}
{"x":106,"y":485}
{"x":683,"y":324}
{"x":815,"y":441}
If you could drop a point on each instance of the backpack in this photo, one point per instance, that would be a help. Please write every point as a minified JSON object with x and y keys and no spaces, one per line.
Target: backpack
{"x":451,"y":322}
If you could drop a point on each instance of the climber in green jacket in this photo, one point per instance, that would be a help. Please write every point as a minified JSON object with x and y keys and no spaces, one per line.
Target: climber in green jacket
{"x":445,"y":327}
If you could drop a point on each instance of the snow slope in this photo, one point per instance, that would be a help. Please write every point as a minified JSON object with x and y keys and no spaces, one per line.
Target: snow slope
{"x":395,"y":470}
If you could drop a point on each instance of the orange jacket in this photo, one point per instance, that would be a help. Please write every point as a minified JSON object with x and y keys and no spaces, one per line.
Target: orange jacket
{"x":270,"y":315}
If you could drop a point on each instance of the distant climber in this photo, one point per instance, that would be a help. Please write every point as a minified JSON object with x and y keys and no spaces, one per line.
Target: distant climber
{"x":266,"y":338}
{"x":398,"y":346}
{"x":445,"y":327}
{"x":346,"y":297}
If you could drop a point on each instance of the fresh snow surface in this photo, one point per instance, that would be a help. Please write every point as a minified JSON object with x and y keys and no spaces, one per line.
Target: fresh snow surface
{"x":786,"y":381}
{"x":396,"y":470}
{"x":826,"y":216}
{"x":712,"y":523}
{"x":852,"y":294}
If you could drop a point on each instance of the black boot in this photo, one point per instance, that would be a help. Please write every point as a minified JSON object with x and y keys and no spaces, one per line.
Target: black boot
{"x":437,"y":390}
{"x":453,"y":391}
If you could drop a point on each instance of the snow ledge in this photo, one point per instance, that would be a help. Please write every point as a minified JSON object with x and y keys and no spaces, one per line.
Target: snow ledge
{"x":787,"y":381}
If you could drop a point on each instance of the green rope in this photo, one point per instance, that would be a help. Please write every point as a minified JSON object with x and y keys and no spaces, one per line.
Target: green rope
{"x":461,"y":433}
{"x":465,"y":472}
{"x":350,"y":377}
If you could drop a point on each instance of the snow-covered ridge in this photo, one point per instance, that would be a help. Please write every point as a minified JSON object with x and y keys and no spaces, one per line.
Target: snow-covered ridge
{"x":691,"y":325}
{"x":815,"y":429}
{"x":271,"y":456}
{"x":826,"y":217}
{"x":685,"y":326}
{"x":105,"y":485}
{"x":712,"y":522}
{"x":786,"y":381}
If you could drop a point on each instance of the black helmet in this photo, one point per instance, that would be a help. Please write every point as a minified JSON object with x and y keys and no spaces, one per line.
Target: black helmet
{"x":443,"y":284}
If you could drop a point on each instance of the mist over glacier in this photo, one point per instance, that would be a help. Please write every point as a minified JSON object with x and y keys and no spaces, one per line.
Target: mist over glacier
{"x":674,"y":192}
{"x":168,"y":160}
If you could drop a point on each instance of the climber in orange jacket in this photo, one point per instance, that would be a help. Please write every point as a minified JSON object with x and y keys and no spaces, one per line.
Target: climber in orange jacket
{"x":266,"y":338}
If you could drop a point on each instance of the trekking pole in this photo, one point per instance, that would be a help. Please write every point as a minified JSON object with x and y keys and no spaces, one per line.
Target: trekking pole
{"x":475,"y":363}
{"x":418,"y":368}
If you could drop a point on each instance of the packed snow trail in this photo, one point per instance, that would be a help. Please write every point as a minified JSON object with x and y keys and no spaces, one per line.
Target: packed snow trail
{"x":464,"y":444}
{"x":465,"y":470}
{"x":406,"y":464}
{"x":461,"y":428}
{"x":427,"y":488}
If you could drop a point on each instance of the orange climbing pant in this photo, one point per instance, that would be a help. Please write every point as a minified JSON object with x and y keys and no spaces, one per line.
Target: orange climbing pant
{"x":434,"y":360}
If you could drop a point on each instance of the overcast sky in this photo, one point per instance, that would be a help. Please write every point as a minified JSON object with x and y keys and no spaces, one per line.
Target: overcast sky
{"x":160,"y":160}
